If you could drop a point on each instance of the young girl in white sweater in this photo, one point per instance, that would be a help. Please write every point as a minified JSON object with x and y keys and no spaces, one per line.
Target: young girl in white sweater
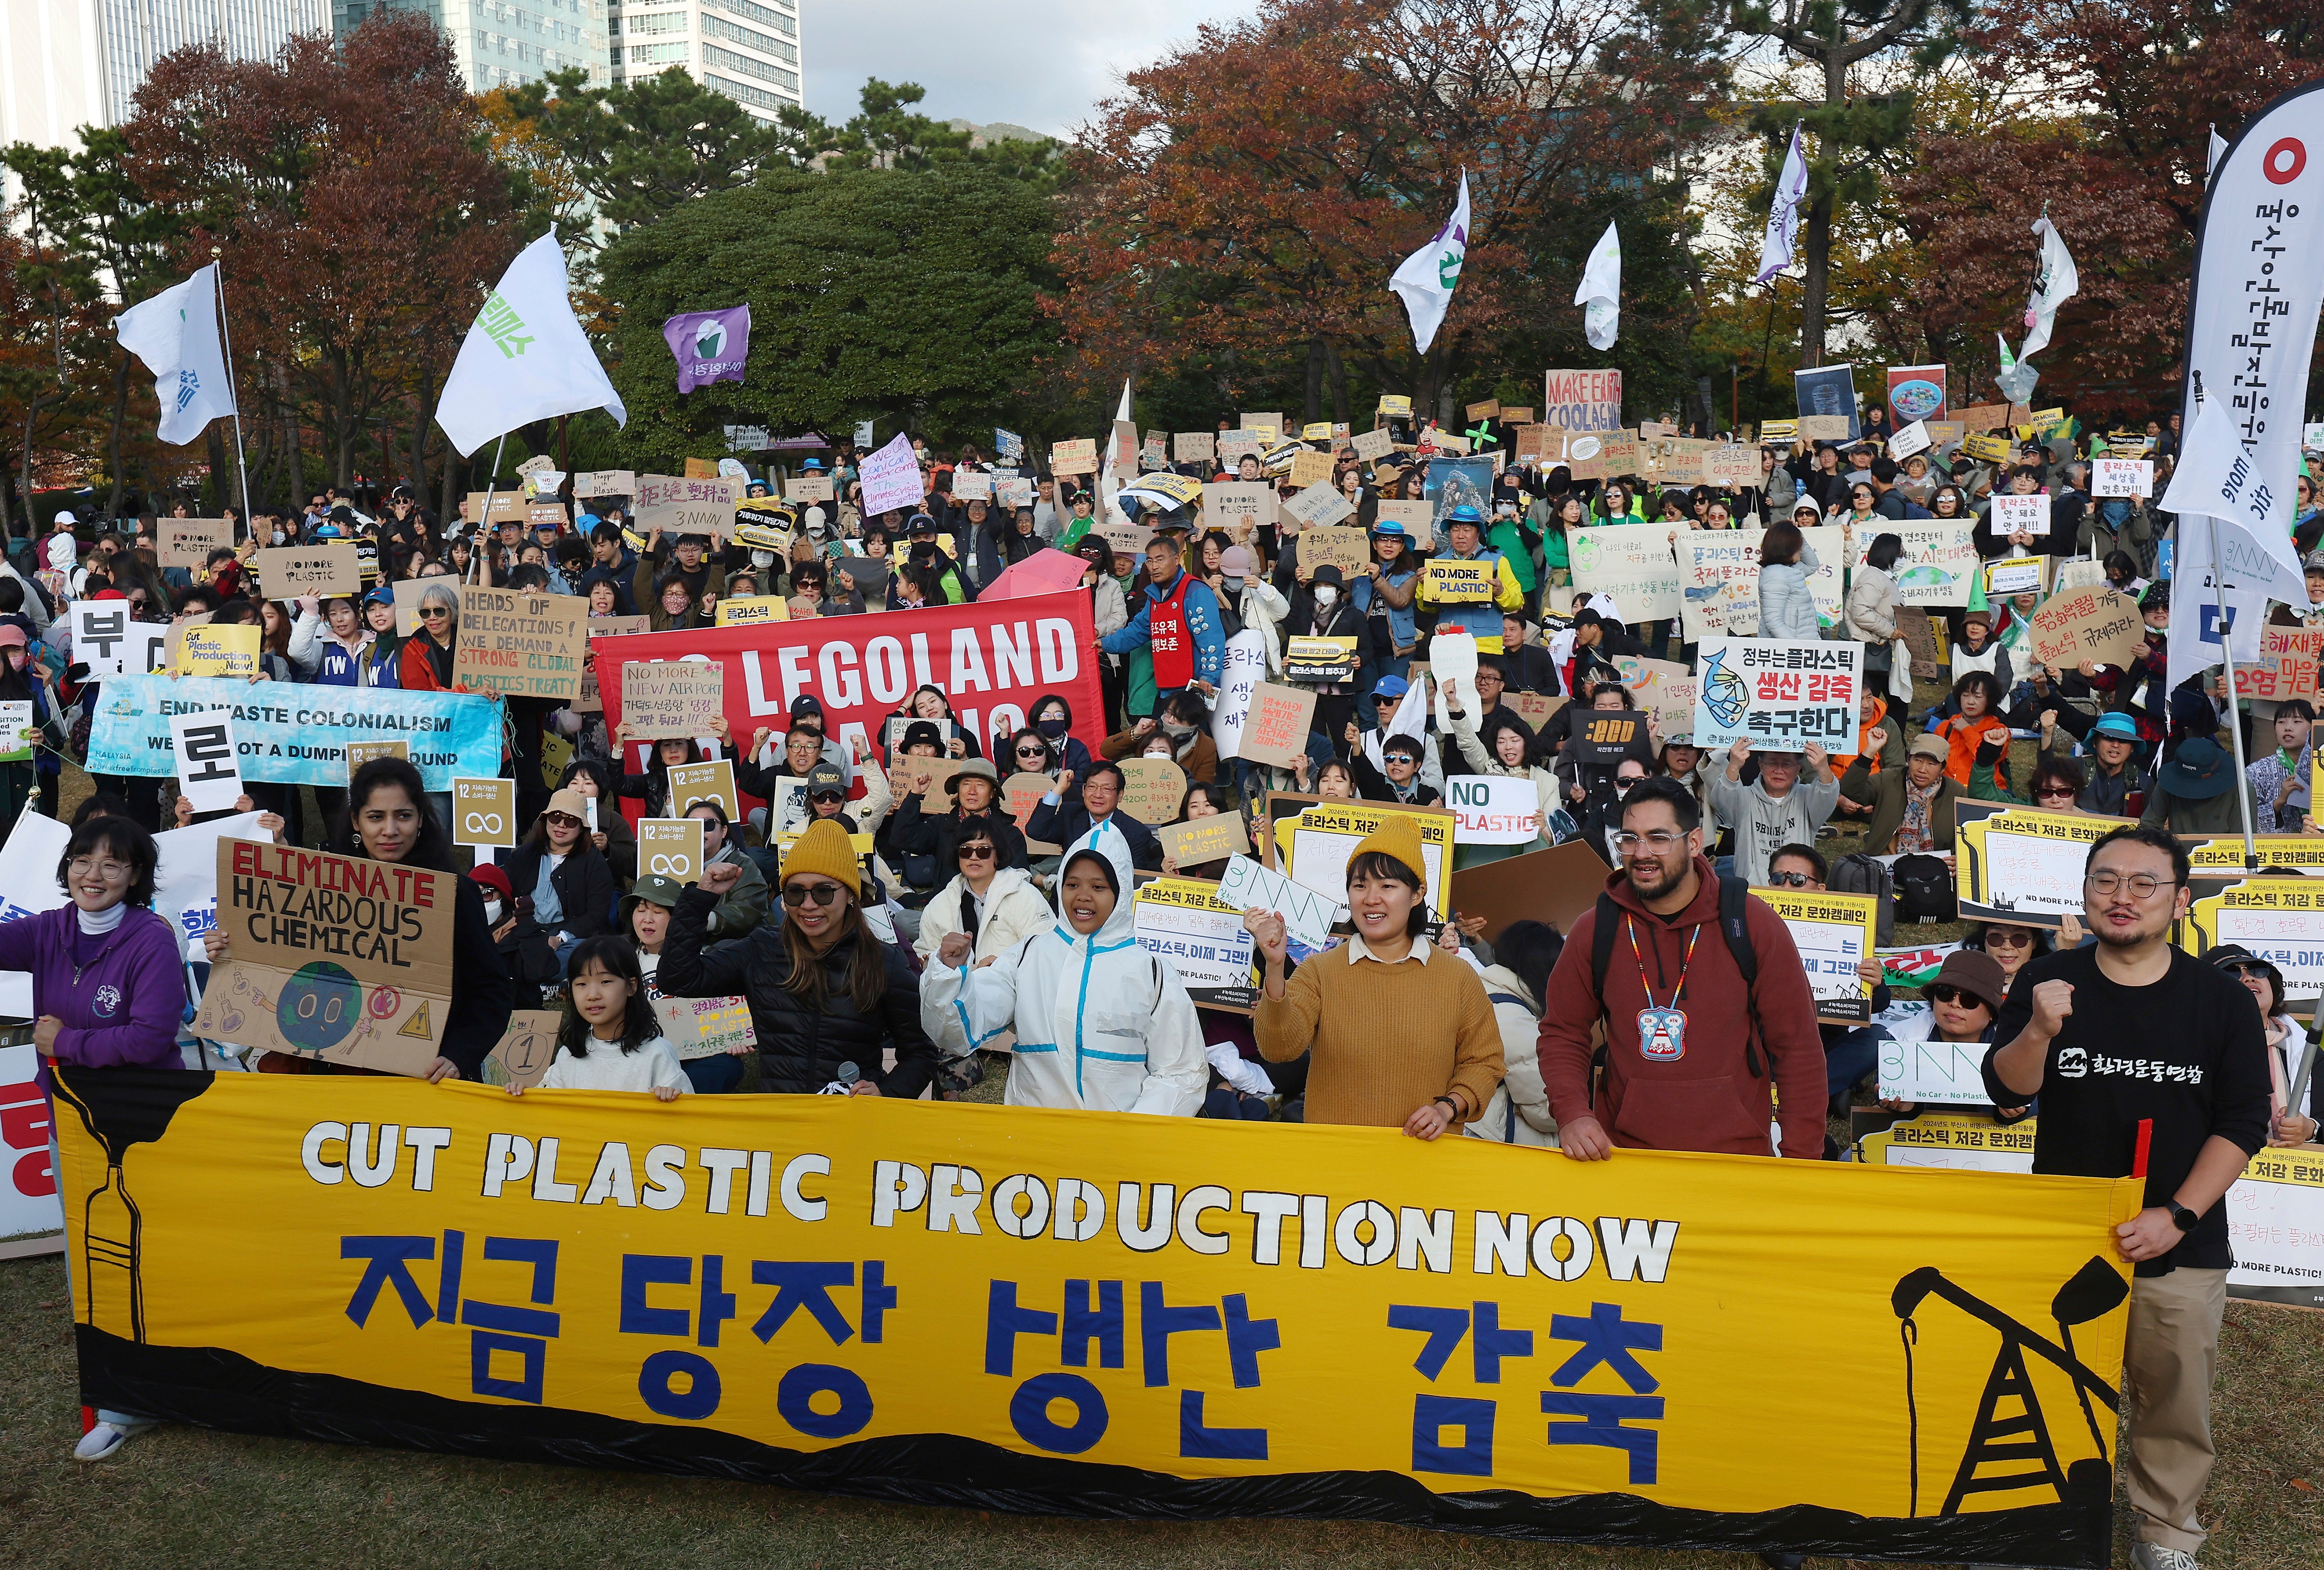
{"x":611,"y":1040}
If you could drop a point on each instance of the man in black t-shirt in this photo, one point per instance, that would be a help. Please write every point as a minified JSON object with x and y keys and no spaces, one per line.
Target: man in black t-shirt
{"x":2134,"y":1032}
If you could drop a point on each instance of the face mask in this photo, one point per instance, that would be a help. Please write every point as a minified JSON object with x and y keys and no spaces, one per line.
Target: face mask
{"x":1326,"y":595}
{"x":1051,"y":727}
{"x":277,"y":537}
{"x":491,"y":913}
{"x":1176,"y":732}
{"x":762,"y":559}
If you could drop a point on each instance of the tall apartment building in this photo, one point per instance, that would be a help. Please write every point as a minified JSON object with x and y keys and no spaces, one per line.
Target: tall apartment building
{"x":745,"y":48}
{"x":503,"y":43}
{"x":68,"y":63}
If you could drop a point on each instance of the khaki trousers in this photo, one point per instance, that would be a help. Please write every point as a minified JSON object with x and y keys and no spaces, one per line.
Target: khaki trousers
{"x":2170,"y":1360}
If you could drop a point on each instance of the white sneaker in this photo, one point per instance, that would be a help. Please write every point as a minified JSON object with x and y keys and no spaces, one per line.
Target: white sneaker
{"x":100,"y":1441}
{"x":2156,"y":1556}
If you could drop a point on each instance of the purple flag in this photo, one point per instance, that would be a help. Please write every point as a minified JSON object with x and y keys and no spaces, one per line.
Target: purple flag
{"x":710,"y":346}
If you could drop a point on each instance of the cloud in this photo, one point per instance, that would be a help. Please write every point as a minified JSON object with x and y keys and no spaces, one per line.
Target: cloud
{"x":1039,"y":63}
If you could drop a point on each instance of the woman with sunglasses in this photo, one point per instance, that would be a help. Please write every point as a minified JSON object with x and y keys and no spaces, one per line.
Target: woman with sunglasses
{"x":1850,"y":1052}
{"x":2287,"y":1043}
{"x":426,"y":662}
{"x":1964,"y":1000}
{"x":996,"y":908}
{"x":563,"y":885}
{"x":825,"y":991}
{"x":1052,"y":722}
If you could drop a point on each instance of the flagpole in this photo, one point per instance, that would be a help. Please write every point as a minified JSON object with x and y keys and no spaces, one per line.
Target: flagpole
{"x":484,"y":523}
{"x":225,"y":340}
{"x":2227,"y":653}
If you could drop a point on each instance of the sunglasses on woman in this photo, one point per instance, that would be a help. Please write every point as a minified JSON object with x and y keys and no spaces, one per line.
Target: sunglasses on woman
{"x":798,"y":894}
{"x":1032,"y":751}
{"x":2054,"y":793}
{"x":1943,"y":994}
{"x":562,"y":820}
{"x":976,"y":852}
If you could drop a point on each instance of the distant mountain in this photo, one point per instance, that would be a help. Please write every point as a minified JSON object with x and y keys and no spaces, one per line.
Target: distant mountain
{"x":1001,"y":131}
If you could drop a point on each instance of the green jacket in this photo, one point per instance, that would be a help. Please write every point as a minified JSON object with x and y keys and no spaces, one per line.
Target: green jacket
{"x":1515,"y":545}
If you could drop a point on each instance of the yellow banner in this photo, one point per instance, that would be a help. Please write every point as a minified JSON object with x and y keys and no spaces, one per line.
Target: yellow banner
{"x":992,"y":1303}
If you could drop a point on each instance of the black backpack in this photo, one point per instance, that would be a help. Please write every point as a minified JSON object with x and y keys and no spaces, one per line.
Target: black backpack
{"x":1863,"y":875}
{"x":1924,"y":890}
{"x":1732,"y":925}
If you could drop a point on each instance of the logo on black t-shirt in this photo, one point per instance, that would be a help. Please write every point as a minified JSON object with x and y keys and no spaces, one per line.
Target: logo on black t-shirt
{"x":2073,"y":1062}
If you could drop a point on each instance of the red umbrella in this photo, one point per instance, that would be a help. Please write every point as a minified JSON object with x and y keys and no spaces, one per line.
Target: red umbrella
{"x":1044,"y":572}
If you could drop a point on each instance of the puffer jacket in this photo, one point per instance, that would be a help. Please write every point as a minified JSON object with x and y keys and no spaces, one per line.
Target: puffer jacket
{"x":1102,"y":1025}
{"x":1872,"y":605}
{"x":1014,"y":909}
{"x":1518,"y":1113}
{"x":800,"y":1049}
{"x":1786,"y":607}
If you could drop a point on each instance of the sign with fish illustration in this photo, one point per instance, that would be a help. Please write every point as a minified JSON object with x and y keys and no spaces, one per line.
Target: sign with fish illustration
{"x":1779,"y":695}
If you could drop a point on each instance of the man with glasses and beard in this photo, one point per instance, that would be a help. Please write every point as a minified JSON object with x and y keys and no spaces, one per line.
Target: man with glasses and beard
{"x":1705,"y":1008}
{"x":2136,"y":1047}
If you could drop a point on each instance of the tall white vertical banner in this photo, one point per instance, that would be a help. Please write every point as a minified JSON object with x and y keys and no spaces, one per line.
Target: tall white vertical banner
{"x":2253,"y":305}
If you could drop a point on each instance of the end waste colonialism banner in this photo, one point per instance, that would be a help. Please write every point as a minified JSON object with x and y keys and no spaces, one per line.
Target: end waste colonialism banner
{"x":293,"y":734}
{"x":1090,"y":1313}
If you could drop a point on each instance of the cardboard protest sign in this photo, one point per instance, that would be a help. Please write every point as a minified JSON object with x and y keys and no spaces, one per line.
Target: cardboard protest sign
{"x":1938,"y":565}
{"x":188,"y":542}
{"x":971,"y":485}
{"x":604,"y":482}
{"x":751,"y":610}
{"x":2016,"y":575}
{"x":2286,"y":667}
{"x":1828,"y":427}
{"x":1418,"y":519}
{"x":1233,"y":446}
{"x":520,"y":643}
{"x":292,"y":571}
{"x":930,"y":779}
{"x":1204,"y":839}
{"x":1490,"y":409}
{"x":1729,"y":467}
{"x":1345,"y":549}
{"x":1152,"y":789}
{"x":1306,"y":913}
{"x":1371,"y":446}
{"x":2021,"y":865}
{"x":807,"y":489}
{"x":1310,"y":469}
{"x":1270,"y":423}
{"x":209,"y":771}
{"x":1493,"y":809}
{"x":1910,"y":439}
{"x":109,"y":644}
{"x":589,"y":700}
{"x":1078,"y":457}
{"x":672,"y":697}
{"x":362,"y":752}
{"x":2091,"y":626}
{"x":1944,"y":432}
{"x":209,"y":650}
{"x":1631,"y":563}
{"x":1665,"y":689}
{"x":493,"y":507}
{"x":1554,"y":886}
{"x":1128,"y":540}
{"x":1319,"y":505}
{"x":528,"y":1047}
{"x":1193,"y":446}
{"x":701,"y":468}
{"x":2113,"y":476}
{"x":344,"y":960}
{"x":483,"y":812}
{"x":1536,"y":708}
{"x":1021,"y":792}
{"x":1779,"y":695}
{"x":1582,"y":401}
{"x":670,"y":847}
{"x":1238,"y":506}
{"x":704,"y":1027}
{"x":1834,"y":934}
{"x":1185,"y":922}
{"x":1457,"y":581}
{"x":693,"y":782}
{"x":2013,"y":514}
{"x":1276,"y":727}
{"x":684,"y":504}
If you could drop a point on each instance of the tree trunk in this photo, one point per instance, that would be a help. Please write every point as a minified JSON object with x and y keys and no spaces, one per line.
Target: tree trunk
{"x":1315,"y":403}
{"x":112,"y":431}
{"x":221,"y":476}
{"x":1338,"y":371}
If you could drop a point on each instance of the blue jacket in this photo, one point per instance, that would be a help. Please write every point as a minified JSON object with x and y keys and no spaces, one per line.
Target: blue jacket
{"x":1203,"y":620}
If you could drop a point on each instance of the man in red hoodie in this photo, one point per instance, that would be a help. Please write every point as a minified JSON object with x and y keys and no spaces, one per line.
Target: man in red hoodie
{"x":1693,"y":1048}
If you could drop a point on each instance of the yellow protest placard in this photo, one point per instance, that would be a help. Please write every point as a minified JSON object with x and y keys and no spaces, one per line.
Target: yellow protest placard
{"x":751,"y":609}
{"x":212,"y":649}
{"x":1453,"y":579}
{"x":1834,"y":933}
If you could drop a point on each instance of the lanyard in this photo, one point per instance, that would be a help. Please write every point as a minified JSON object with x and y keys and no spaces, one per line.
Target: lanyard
{"x":1630,"y":926}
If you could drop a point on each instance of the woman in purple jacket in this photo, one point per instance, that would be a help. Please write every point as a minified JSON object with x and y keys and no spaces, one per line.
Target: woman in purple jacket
{"x":109,"y":987}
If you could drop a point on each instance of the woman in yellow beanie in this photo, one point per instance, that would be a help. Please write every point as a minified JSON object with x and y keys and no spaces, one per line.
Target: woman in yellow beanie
{"x":824,"y":990}
{"x":1416,"y":1049}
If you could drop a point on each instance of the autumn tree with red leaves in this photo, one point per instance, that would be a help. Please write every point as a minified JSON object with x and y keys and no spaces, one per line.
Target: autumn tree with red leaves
{"x":1243,"y":204}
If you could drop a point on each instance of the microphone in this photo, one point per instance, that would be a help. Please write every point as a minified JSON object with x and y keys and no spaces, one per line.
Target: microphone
{"x":843,"y":1082}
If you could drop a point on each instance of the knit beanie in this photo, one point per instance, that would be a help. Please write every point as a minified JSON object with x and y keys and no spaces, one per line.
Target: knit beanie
{"x":824,"y":848}
{"x":1398,"y":839}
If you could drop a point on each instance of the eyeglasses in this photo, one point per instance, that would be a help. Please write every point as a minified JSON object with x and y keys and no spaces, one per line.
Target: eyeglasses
{"x":2141,"y":885}
{"x":976,"y":852}
{"x":561,"y":820}
{"x":111,"y":871}
{"x":1657,"y":840}
{"x":798,"y":894}
{"x":1790,"y":880}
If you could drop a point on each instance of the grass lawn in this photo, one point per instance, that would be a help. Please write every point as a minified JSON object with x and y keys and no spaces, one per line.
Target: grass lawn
{"x":190,"y":1496}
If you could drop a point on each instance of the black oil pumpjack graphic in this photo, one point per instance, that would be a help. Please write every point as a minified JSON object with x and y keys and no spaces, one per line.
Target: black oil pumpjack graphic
{"x":120,"y":1108}
{"x":2010,"y":1439}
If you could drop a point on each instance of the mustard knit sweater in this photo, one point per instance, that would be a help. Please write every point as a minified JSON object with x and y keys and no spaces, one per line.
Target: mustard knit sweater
{"x":1388,"y":1038}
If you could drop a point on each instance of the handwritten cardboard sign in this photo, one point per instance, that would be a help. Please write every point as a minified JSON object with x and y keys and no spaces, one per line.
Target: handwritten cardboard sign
{"x":670,"y":847}
{"x":1731,"y":467}
{"x":188,"y":541}
{"x":295,"y":570}
{"x":685,"y":504}
{"x":521,"y":644}
{"x":2113,"y":476}
{"x":528,"y":1046}
{"x":1074,"y":458}
{"x":1205,"y":839}
{"x":1153,"y":789}
{"x":1238,"y":506}
{"x":346,"y":960}
{"x":930,"y":779}
{"x":606,"y":483}
{"x":1536,"y":708}
{"x":807,"y":489}
{"x":1554,"y":886}
{"x":483,"y":812}
{"x":693,"y":782}
{"x":1416,"y":518}
{"x":1320,"y":505}
{"x":672,"y":697}
{"x":2089,"y":626}
{"x":1309,"y":468}
{"x":702,"y":1027}
{"x":1193,"y":446}
{"x":1276,"y":730}
{"x":1371,"y":446}
{"x":1345,"y":549}
{"x":493,"y":507}
{"x":2286,"y":667}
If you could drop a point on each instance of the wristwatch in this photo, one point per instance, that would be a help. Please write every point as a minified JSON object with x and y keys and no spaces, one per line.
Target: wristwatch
{"x":2181,"y":1217}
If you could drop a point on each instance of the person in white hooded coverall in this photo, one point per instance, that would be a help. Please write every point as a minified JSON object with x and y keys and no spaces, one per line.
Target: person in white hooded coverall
{"x":1101,"y":1024}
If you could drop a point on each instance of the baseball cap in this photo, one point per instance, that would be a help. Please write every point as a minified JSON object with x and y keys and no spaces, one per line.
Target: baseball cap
{"x":826,"y":780}
{"x":1391,"y":687}
{"x":1925,"y":745}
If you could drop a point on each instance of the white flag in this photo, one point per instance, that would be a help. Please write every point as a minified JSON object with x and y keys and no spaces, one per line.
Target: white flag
{"x":2057,"y":284}
{"x":2218,"y":149}
{"x":1784,"y":217}
{"x":526,"y":358}
{"x":2244,"y":576}
{"x":1427,"y":280}
{"x":2213,"y":478}
{"x":176,"y":333}
{"x":1601,"y":294}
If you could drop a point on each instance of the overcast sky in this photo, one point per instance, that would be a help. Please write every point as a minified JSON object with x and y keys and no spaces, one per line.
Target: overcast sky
{"x":1037,"y":63}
